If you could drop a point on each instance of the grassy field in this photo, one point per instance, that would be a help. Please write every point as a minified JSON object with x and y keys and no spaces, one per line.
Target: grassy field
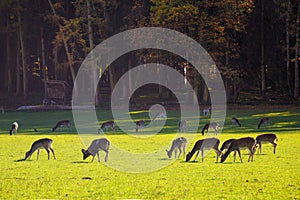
{"x":69,"y":177}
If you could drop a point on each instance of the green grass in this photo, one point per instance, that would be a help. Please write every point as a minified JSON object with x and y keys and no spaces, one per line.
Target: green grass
{"x":268,"y":177}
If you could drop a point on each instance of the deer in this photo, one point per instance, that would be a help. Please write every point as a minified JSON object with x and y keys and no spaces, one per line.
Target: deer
{"x":213,"y":125}
{"x":139,"y":124}
{"x":61,"y":124}
{"x":14,"y":128}
{"x":266,"y":138}
{"x":263,"y":121}
{"x":107,"y":124}
{"x":177,"y":144}
{"x":160,"y":115}
{"x":37,"y":145}
{"x":236,"y":121}
{"x":97,"y":145}
{"x":201,"y":145}
{"x":206,"y":111}
{"x":226,"y":145}
{"x":182,"y":125}
{"x":236,"y":145}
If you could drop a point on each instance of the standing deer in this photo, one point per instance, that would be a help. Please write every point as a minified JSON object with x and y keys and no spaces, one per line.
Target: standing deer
{"x":107,"y":124}
{"x":266,"y":138}
{"x":236,"y":145}
{"x":236,"y":121}
{"x":139,"y":124}
{"x":37,"y":145}
{"x":201,"y":145}
{"x":182,"y":125}
{"x":206,"y":111}
{"x":177,"y":144}
{"x":95,"y":147}
{"x":14,"y":128}
{"x":263,"y":121}
{"x":212,"y":125}
{"x":61,"y":124}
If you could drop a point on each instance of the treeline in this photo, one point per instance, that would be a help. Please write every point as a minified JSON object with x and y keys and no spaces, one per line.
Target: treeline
{"x":255,"y":44}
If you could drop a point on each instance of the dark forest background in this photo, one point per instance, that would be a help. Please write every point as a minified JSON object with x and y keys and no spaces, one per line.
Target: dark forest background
{"x":255,"y":44}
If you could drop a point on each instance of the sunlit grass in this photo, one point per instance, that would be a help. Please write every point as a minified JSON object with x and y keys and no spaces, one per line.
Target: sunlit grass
{"x":270,"y":176}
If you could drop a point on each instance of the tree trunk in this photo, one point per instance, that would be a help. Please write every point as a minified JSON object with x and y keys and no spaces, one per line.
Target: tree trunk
{"x":23,"y":56}
{"x":66,"y":47}
{"x":43,"y":60}
{"x":262,"y":64}
{"x":18,"y":73}
{"x":95,"y":71}
{"x":287,"y":39}
{"x":8,"y":81}
{"x":296,"y":88}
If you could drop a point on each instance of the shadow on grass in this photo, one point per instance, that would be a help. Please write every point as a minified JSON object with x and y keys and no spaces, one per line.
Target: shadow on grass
{"x":80,"y":162}
{"x":20,"y":160}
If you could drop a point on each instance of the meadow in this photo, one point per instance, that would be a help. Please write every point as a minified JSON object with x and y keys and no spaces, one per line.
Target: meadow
{"x":270,"y":176}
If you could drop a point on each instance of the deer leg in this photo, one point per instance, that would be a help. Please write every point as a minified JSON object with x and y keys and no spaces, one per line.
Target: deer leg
{"x":48,"y":153}
{"x":106,"y":156}
{"x":240,"y":155}
{"x":175,"y":151}
{"x":98,"y":156}
{"x":53,"y":153}
{"x":234,"y":156}
{"x":38,"y":154}
{"x":274,"y":145}
{"x":179,"y":152}
{"x":93,"y":158}
{"x":259,"y":147}
{"x":196,"y":155}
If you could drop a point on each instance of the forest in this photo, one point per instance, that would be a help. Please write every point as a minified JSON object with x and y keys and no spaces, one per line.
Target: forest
{"x":254,"y":43}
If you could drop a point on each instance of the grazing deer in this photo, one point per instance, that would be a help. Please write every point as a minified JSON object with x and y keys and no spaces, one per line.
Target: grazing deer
{"x":182,"y":125}
{"x":263,"y":121}
{"x":61,"y":124}
{"x":236,"y":145}
{"x":206,"y":111}
{"x":95,"y":147}
{"x":105,"y":126}
{"x":37,"y":145}
{"x":160,"y":115}
{"x":177,"y":144}
{"x":236,"y":121}
{"x":14,"y":128}
{"x":212,"y":125}
{"x":266,"y":138}
{"x":139,"y":124}
{"x":226,"y":144}
{"x":200,"y":145}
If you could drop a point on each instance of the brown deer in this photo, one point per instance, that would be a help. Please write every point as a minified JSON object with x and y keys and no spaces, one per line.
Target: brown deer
{"x":263,"y":121}
{"x":212,"y":125}
{"x":37,"y":145}
{"x":236,"y":145}
{"x":95,"y":147}
{"x":236,"y":121}
{"x":177,"y":144}
{"x":226,"y":145}
{"x":201,"y":145}
{"x":14,"y":128}
{"x":182,"y":125}
{"x":106,"y":125}
{"x":61,"y":124}
{"x":139,"y":124}
{"x":266,"y":138}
